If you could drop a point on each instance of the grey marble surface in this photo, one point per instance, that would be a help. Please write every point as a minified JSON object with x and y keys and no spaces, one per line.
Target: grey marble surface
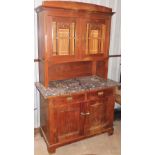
{"x":75,"y":85}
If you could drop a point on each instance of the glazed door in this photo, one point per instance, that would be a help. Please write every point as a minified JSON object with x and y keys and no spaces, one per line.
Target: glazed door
{"x":100,"y":115}
{"x":69,"y":122}
{"x":94,"y":38}
{"x":62,"y":38}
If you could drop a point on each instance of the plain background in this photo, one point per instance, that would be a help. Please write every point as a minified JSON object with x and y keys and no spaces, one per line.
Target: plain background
{"x":17,"y":77}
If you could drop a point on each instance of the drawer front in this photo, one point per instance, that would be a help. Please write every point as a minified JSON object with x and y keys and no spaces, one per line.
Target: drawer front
{"x":68,"y":99}
{"x":99,"y":94}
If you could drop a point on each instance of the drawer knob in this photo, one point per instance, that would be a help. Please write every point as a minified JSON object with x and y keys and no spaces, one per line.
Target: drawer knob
{"x":69,"y":98}
{"x":100,"y":93}
{"x":88,"y":113}
{"x":82,"y":113}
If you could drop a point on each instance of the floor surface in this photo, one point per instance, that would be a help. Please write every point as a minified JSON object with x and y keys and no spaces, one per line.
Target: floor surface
{"x":98,"y":145}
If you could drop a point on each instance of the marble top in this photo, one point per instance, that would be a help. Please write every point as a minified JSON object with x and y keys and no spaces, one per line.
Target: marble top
{"x":75,"y":85}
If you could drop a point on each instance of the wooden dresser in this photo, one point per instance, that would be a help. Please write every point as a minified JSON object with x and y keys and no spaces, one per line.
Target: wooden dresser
{"x":76,"y":98}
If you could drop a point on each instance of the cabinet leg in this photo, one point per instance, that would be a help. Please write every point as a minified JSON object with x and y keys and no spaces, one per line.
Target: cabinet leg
{"x":51,"y":153}
{"x":51,"y":150}
{"x":110,"y":132}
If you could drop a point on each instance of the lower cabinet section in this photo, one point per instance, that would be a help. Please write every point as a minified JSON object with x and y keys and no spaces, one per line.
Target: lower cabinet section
{"x":72,"y":118}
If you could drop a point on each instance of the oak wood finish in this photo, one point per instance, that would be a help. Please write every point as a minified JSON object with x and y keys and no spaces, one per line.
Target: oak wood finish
{"x":69,"y":70}
{"x":73,"y":41}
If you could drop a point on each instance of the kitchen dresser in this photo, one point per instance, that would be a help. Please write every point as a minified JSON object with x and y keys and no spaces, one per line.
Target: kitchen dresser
{"x":76,"y":98}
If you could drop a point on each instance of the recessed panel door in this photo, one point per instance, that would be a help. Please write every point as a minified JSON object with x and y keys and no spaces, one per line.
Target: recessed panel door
{"x":69,"y":122}
{"x":100,"y":115}
{"x":62,"y":38}
{"x":95,"y":38}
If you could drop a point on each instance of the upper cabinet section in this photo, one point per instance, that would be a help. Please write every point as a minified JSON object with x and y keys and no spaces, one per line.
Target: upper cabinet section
{"x":74,"y":31}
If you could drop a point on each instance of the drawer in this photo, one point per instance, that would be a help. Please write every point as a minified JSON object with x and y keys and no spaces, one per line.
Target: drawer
{"x":68,"y":99}
{"x":99,"y":94}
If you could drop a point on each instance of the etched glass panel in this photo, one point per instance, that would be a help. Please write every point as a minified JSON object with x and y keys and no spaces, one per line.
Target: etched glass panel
{"x":93,"y":42}
{"x":54,"y":38}
{"x":63,"y":38}
{"x":95,"y":38}
{"x":72,"y":38}
{"x":63,"y":41}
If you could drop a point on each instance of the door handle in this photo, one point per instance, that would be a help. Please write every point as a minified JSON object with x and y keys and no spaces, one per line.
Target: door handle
{"x":84,"y":114}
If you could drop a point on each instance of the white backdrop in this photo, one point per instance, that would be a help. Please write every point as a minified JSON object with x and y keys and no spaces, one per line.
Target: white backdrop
{"x":115,"y":48}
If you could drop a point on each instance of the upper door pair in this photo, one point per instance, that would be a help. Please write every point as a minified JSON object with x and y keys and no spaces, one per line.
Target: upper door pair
{"x":71,"y":39}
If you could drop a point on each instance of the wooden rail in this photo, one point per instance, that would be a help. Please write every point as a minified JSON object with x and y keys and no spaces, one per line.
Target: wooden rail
{"x":110,"y":56}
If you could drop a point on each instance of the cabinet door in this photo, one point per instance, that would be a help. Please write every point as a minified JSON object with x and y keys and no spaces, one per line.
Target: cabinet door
{"x":62,"y":38}
{"x":100,"y":115}
{"x":69,"y":122}
{"x":94,"y":38}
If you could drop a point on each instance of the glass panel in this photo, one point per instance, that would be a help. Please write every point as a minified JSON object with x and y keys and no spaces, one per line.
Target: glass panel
{"x":95,"y":38}
{"x":63,"y":42}
{"x":87,"y":40}
{"x":63,"y":38}
{"x":93,"y":42}
{"x":72,"y":38}
{"x":103,"y":38}
{"x":54,"y":38}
